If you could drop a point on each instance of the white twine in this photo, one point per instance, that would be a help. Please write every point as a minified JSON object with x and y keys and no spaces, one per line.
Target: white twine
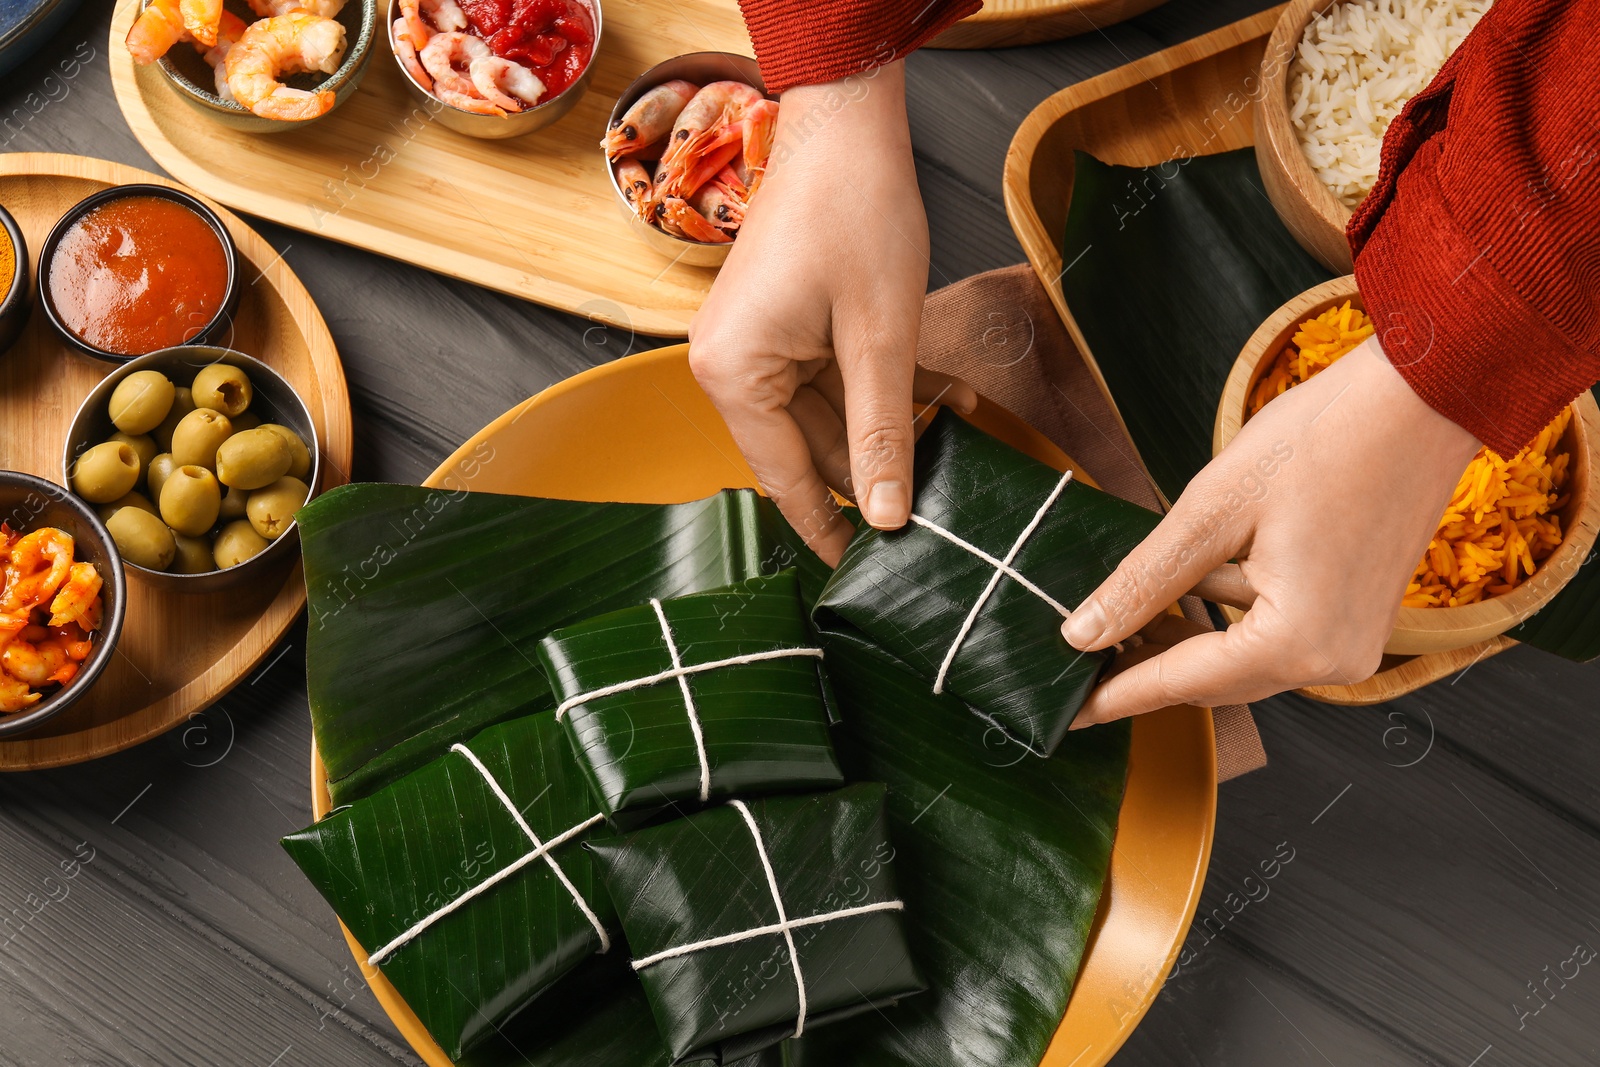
{"x":688,"y":702}
{"x":783,"y":926}
{"x":1002,"y":568}
{"x":541,"y":850}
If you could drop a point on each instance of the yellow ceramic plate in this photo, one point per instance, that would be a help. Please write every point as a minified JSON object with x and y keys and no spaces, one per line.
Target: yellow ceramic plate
{"x":640,"y":430}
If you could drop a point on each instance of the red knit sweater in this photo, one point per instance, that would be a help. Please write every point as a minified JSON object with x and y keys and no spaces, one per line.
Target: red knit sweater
{"x":1477,"y":251}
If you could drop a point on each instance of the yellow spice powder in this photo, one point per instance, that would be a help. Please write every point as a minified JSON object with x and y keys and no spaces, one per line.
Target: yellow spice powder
{"x":1501,"y":522}
{"x":8,"y":263}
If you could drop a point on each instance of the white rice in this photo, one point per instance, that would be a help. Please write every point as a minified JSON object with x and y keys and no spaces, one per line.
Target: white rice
{"x":1356,"y":67}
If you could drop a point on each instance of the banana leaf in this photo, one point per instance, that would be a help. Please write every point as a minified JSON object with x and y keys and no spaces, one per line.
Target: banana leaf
{"x":437,"y":876}
{"x":461,"y":586}
{"x":685,"y":892}
{"x":1172,"y":269}
{"x":913,"y":592}
{"x":760,"y":727}
{"x":1000,"y":859}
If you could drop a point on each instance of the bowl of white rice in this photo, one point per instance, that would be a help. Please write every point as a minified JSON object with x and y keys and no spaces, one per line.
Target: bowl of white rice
{"x":1334,"y":75}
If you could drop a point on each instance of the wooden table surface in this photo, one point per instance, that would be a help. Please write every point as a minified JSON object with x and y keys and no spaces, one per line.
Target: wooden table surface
{"x":1435,"y":889}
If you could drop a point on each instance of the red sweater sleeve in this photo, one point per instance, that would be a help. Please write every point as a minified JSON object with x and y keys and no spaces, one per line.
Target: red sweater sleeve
{"x":1478,"y":249}
{"x":806,"y":43}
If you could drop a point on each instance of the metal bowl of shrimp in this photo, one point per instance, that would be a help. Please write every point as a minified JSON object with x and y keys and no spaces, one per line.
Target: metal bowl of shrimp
{"x":467,"y":86}
{"x":685,"y":147}
{"x":41,"y":562}
{"x":265,"y":66}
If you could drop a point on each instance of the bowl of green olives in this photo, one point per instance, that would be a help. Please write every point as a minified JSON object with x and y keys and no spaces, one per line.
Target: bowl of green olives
{"x":197,"y":459}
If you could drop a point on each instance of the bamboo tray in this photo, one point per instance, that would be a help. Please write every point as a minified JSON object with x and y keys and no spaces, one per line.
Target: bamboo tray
{"x":640,"y":429}
{"x":178,"y":652}
{"x":534,"y":217}
{"x":1196,"y":93}
{"x":1002,"y":23}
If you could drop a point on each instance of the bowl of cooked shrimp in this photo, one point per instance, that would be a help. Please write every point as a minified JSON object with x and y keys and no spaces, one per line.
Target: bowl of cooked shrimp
{"x":686,"y":147}
{"x":495,"y":70}
{"x":263,"y":66}
{"x":62,"y":596}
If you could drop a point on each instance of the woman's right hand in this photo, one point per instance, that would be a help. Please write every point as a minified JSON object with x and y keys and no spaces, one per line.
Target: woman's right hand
{"x":807,"y":343}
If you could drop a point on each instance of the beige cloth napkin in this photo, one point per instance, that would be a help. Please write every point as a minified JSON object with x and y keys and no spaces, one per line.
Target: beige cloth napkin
{"x":999,"y":332}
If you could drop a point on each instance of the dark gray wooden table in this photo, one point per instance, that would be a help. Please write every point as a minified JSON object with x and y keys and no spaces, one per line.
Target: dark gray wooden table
{"x":1441,"y":899}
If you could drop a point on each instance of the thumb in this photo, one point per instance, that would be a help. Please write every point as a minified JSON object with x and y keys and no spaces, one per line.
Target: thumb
{"x":877,"y":402}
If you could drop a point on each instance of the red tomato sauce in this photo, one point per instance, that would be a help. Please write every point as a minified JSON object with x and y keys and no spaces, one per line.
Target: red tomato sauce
{"x":552,"y":38}
{"x":138,"y":274}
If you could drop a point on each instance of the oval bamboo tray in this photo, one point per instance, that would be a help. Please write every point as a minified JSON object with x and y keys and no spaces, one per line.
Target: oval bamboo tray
{"x":178,"y":653}
{"x":640,"y":429}
{"x":1419,"y":631}
{"x":1002,"y":23}
{"x":1307,"y":207}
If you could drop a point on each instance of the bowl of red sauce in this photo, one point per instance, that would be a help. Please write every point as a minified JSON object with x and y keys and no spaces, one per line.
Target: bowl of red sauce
{"x":137,"y":268}
{"x":537,"y":57}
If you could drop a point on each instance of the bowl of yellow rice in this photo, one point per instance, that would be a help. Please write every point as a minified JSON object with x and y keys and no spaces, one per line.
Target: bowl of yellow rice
{"x":1515,"y":530}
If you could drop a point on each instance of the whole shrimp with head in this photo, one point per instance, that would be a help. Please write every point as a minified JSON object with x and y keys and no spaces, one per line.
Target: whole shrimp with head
{"x":285,"y":44}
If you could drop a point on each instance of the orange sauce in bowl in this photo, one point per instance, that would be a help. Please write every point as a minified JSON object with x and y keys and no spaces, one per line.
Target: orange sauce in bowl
{"x":138,"y":274}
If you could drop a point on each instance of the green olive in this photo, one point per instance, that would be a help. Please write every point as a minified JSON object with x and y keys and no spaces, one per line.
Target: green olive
{"x":194,"y":555}
{"x":195,"y":440}
{"x":134,"y":499}
{"x":253,"y":459}
{"x":182,"y":404}
{"x":142,"y":538}
{"x":109,"y":470}
{"x":190,"y":500}
{"x":222,"y":388}
{"x":143,"y":445}
{"x":236,"y":543}
{"x":233,"y":505}
{"x":249,"y":420}
{"x":272,"y":509}
{"x":140,"y":401}
{"x":297,"y":448}
{"x":160,"y":470}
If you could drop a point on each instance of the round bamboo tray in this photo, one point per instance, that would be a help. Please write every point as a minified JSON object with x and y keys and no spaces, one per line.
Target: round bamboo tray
{"x":1420,"y":631}
{"x":1307,"y":207}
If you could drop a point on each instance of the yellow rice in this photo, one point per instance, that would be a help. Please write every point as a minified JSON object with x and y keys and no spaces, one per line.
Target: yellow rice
{"x":1501,"y":522}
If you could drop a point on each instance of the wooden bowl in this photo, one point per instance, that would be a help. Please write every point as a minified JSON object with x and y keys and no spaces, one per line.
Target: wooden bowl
{"x":1313,"y":214}
{"x":1426,"y":630}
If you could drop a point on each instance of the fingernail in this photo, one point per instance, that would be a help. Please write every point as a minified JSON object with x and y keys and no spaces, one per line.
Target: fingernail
{"x":1085,"y":626}
{"x":888,"y":505}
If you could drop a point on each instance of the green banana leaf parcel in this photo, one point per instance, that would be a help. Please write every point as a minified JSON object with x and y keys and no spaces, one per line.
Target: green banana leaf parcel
{"x":1172,"y":269}
{"x":989,"y":635}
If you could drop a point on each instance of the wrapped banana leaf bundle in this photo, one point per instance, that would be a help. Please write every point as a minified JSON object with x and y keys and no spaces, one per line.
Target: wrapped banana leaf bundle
{"x":710,"y":695}
{"x":762,"y":920}
{"x":971,"y":593}
{"x":466,"y":881}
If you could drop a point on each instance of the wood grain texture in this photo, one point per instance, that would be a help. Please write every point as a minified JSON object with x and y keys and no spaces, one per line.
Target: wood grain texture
{"x":178,"y":653}
{"x":1006,"y":23}
{"x":535,"y":217}
{"x":192,"y":940}
{"x":1308,"y":207}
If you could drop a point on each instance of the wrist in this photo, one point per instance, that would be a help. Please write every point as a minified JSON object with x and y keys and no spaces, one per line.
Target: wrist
{"x":863,"y":113}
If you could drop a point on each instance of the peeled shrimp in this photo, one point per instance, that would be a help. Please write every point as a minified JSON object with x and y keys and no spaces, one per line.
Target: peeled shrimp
{"x":37,"y":665}
{"x":325,"y":8}
{"x":724,"y":119}
{"x":467,"y":102}
{"x":78,"y":599}
{"x":229,"y":30}
{"x":447,"y":57}
{"x":158,"y":27}
{"x":285,"y":44}
{"x":40,"y":562}
{"x":649,"y":119}
{"x":408,"y":54}
{"x":506,"y":83}
{"x":201,"y":18}
{"x":446,"y":15}
{"x":634,"y":181}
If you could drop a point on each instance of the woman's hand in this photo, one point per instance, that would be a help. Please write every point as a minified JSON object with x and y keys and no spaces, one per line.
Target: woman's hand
{"x":1327,"y":500}
{"x":807,"y":343}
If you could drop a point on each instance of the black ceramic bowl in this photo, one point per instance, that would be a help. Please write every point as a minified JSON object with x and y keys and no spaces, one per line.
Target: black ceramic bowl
{"x":28,"y":503}
{"x":195,"y":82}
{"x":221,"y":323}
{"x":14,"y":301}
{"x":275,"y":401}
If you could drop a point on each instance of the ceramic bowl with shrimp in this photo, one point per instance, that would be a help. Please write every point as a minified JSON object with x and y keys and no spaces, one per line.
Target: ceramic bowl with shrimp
{"x":29,"y":505}
{"x":262,"y":66}
{"x":504,"y":71}
{"x":686,"y":146}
